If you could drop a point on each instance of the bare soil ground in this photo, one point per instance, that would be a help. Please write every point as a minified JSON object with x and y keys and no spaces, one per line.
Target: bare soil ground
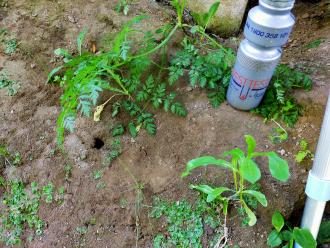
{"x":28,"y":124}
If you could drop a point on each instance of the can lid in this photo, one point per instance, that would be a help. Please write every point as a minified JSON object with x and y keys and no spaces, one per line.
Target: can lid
{"x":280,"y":4}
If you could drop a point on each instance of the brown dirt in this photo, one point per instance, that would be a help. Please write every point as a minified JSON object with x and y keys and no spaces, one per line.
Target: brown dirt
{"x":28,"y":125}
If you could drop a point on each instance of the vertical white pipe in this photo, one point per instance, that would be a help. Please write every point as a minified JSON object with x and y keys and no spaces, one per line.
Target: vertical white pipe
{"x":318,"y":183}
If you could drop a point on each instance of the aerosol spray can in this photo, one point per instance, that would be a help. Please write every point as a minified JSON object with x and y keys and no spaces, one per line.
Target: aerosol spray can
{"x":270,"y":24}
{"x":251,"y":75}
{"x":267,"y":29}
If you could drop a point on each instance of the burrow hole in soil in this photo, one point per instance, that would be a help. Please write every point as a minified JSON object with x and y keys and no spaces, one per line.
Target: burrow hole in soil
{"x":98,"y":143}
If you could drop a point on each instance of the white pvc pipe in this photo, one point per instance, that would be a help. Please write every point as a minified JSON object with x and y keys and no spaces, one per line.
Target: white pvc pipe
{"x":318,"y":183}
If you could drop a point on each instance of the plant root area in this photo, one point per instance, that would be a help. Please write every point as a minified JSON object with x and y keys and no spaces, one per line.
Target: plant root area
{"x":120,"y":201}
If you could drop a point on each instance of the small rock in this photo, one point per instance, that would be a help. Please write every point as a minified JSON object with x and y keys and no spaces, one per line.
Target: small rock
{"x":33,"y":66}
{"x":304,"y":16}
{"x":282,"y":152}
{"x":72,"y":19}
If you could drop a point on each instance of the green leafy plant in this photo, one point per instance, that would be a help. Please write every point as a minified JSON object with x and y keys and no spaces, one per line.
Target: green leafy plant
{"x":244,"y":170}
{"x":97,"y":175}
{"x":184,"y":222}
{"x":285,"y":236}
{"x":47,"y":192}
{"x":211,"y":71}
{"x":9,"y":41}
{"x":11,"y":85}
{"x":114,"y":153}
{"x":68,"y":171}
{"x":20,"y":210}
{"x":303,"y":153}
{"x":278,"y":102}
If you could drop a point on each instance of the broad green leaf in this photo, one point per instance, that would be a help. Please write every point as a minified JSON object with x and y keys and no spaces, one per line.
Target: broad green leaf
{"x":252,"y":217}
{"x":274,"y":239}
{"x":80,"y":39}
{"x":250,"y":170}
{"x":258,"y":195}
{"x":212,"y":11}
{"x":212,"y":193}
{"x":278,"y":167}
{"x":278,"y":221}
{"x":304,"y":238}
{"x":205,"y":161}
{"x":236,"y":153}
{"x":132,"y":129}
{"x":251,"y":143}
{"x":53,"y":72}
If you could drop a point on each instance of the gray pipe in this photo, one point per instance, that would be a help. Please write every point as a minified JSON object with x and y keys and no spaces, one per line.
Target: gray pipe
{"x":318,"y":183}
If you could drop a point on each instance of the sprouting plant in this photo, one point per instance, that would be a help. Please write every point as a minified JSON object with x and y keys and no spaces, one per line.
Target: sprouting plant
{"x":303,"y":152}
{"x":47,"y":192}
{"x":114,"y":153}
{"x":101,"y":185}
{"x":97,"y":175}
{"x":11,"y":85}
{"x":279,"y":134}
{"x":10,"y":46}
{"x":10,"y":158}
{"x":124,"y":6}
{"x":20,"y":210}
{"x":82,"y":230}
{"x":285,"y":236}
{"x":244,"y":170}
{"x":118,"y":130}
{"x":314,"y":43}
{"x":68,"y":171}
{"x":184,"y":222}
{"x":278,"y":102}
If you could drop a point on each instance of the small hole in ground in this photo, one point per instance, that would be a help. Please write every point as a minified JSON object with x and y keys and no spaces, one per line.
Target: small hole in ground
{"x":98,"y":143}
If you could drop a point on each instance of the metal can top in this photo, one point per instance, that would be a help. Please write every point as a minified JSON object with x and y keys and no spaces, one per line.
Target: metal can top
{"x":278,"y":4}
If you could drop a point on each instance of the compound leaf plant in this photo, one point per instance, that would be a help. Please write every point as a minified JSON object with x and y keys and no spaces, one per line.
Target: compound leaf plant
{"x":244,"y":171}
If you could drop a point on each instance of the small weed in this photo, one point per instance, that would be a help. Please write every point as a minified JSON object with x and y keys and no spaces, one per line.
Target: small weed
{"x":81,"y":230}
{"x":279,"y":134}
{"x":21,"y":206}
{"x":10,"y":46}
{"x":97,"y":175}
{"x":118,"y":130}
{"x":286,"y":236}
{"x":314,"y":44}
{"x":114,"y":153}
{"x":303,"y":152}
{"x":101,"y":185}
{"x":184,"y":222}
{"x":10,"y":159}
{"x":47,"y":192}
{"x":11,"y":85}
{"x":123,"y":202}
{"x":68,"y":171}
{"x":244,"y":169}
{"x":123,"y":6}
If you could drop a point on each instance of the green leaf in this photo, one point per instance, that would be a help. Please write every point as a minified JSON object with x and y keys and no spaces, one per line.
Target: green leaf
{"x":252,"y":217}
{"x":62,"y":52}
{"x":278,"y":167}
{"x":304,"y":238}
{"x":205,"y":161}
{"x":278,"y":221}
{"x":236,"y":153}
{"x":251,"y":143}
{"x":287,"y":235}
{"x":250,"y":170}
{"x":118,"y":130}
{"x":81,"y":38}
{"x":300,"y":156}
{"x":274,"y":239}
{"x":132,"y":129}
{"x":324,"y":233}
{"x":212,"y":193}
{"x":212,"y":11}
{"x":258,"y":195}
{"x":52,"y":73}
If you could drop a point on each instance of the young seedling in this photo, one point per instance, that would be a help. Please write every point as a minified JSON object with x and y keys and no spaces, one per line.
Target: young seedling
{"x":244,"y":170}
{"x":279,"y":134}
{"x":303,"y":152}
{"x":284,"y":236}
{"x":11,"y":85}
{"x":97,"y":174}
{"x":68,"y":171}
{"x":48,"y":192}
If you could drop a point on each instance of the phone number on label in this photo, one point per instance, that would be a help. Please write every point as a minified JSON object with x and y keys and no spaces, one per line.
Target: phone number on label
{"x":266,"y":35}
